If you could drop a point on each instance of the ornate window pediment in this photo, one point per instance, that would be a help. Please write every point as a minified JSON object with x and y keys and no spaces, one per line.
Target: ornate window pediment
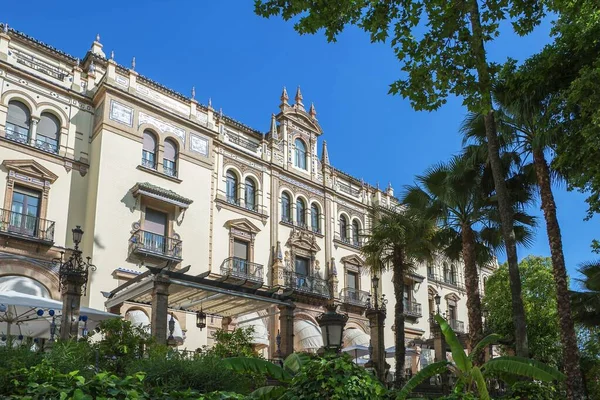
{"x":452,"y":298}
{"x":353,"y":260}
{"x":30,"y":171}
{"x":242,"y":224}
{"x":304,"y":240}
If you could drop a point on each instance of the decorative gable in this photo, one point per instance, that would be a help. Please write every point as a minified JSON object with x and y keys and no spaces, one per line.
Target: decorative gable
{"x":303,"y":240}
{"x":242,"y":224}
{"x":29,"y":171}
{"x":353,"y":259}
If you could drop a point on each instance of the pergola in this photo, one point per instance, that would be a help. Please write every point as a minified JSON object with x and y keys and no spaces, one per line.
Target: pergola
{"x":228,"y":297}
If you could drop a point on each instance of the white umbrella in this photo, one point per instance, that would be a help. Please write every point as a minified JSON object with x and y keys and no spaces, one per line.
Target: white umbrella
{"x":361,"y":361}
{"x":391,"y":352}
{"x":33,"y":316}
{"x":356,"y":350}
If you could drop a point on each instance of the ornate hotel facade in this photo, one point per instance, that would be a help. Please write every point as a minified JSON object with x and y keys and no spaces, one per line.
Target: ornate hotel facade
{"x":158,"y":180}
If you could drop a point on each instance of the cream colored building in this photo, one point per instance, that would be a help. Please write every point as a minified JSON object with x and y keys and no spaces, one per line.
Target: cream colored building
{"x":157,"y":179}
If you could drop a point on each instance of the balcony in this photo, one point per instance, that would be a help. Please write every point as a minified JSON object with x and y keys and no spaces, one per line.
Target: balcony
{"x":457,"y":326}
{"x":348,"y":240}
{"x":26,"y":226}
{"x":239,"y":268}
{"x":412,"y":309}
{"x":40,"y":66}
{"x":348,"y":189}
{"x":47,"y":145}
{"x":144,"y":243}
{"x":17,"y":133}
{"x":243,"y":142}
{"x":448,"y":280}
{"x":354,"y":297}
{"x":307,"y":284}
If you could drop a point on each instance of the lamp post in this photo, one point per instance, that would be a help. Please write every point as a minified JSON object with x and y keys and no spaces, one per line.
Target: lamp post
{"x":73,"y":276}
{"x":200,"y":319}
{"x":332,"y":328}
{"x":438,"y":300}
{"x":376,"y":311}
{"x":171,"y":339}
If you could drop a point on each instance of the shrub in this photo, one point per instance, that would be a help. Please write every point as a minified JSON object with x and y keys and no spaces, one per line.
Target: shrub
{"x":70,"y":356}
{"x":527,"y":390}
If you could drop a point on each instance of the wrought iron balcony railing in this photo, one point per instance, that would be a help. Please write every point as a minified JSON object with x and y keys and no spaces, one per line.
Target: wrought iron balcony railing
{"x":457,"y":326}
{"x":354,"y":297}
{"x":148,"y":243}
{"x":348,"y":189}
{"x":349,"y":240}
{"x":28,"y":226}
{"x":170,"y":170}
{"x":243,"y":142}
{"x":307,"y":284}
{"x":412,"y":309}
{"x":448,"y":280}
{"x":17,"y":133}
{"x":243,"y":269}
{"x":40,"y":66}
{"x":47,"y":145}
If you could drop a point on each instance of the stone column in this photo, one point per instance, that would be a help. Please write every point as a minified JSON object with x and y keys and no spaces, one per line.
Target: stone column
{"x":286,"y":325}
{"x":377,"y":325}
{"x":33,"y":130}
{"x":72,"y":289}
{"x":439,"y":345}
{"x":160,"y":305}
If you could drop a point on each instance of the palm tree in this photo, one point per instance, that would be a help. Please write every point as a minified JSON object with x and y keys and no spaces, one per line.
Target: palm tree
{"x":520,"y":121}
{"x":586,"y":304}
{"x":455,"y":195}
{"x":397,"y":242}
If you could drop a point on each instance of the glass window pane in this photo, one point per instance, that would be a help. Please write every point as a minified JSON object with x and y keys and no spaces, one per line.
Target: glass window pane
{"x":240,"y":249}
{"x":302,"y":265}
{"x":170,"y":150}
{"x":49,"y":126}
{"x":155,"y":221}
{"x":18,"y":114}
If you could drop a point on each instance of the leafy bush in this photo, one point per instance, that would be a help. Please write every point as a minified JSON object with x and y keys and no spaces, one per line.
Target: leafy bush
{"x":72,"y":355}
{"x":12,"y":359}
{"x":334,"y":377}
{"x":527,"y":390}
{"x":237,"y":343}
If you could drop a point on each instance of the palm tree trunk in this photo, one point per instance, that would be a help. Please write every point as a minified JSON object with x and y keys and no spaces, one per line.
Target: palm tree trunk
{"x":472,"y":285}
{"x":568,"y":337}
{"x":398,"y":281}
{"x":504,"y":203}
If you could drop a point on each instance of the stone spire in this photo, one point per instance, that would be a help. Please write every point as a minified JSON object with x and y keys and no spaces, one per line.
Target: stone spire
{"x":312,"y":111}
{"x":298,"y":98}
{"x":274,"y":134}
{"x":97,"y":47}
{"x":278,"y":252}
{"x":390,"y":189}
{"x":325,"y":154}
{"x":284,"y":99}
{"x":193,"y":92}
{"x":133,"y":64}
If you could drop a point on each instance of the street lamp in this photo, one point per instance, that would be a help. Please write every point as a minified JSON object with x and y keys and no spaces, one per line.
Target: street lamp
{"x":201,"y":319}
{"x":171,"y":340}
{"x":77,"y":235}
{"x":438,"y":300}
{"x":332,"y":327}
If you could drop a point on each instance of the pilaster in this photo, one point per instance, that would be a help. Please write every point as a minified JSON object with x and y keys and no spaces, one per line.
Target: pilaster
{"x":160,"y":304}
{"x":72,"y":289}
{"x":286,"y":324}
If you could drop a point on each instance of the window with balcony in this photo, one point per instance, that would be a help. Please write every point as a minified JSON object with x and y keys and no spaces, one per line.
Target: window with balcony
{"x":241,"y":255}
{"x":452,"y":276}
{"x":18,"y":122}
{"x":231,"y":187}
{"x":47,"y":134}
{"x":314,"y":218}
{"x":355,"y":233}
{"x":300,"y":213}
{"x":170,"y":158}
{"x":240,"y":264}
{"x":24,"y":212}
{"x":250,"y":194}
{"x":446,"y":271}
{"x":149,"y":150}
{"x":286,"y":210}
{"x":300,"y":156}
{"x":343,"y":228}
{"x":155,"y":231}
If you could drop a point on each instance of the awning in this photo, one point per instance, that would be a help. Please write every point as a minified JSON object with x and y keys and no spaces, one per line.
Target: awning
{"x":261,"y":334}
{"x":31,"y":316}
{"x":354,"y":336}
{"x":307,"y":336}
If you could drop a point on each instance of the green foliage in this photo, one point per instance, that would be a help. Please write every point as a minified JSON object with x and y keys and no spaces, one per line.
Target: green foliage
{"x":12,"y":359}
{"x":527,"y":390}
{"x":237,"y":343}
{"x":333,"y":377}
{"x":539,"y":299}
{"x":420,"y":377}
{"x":589,"y":339}
{"x":70,"y":355}
{"x":586,"y":303}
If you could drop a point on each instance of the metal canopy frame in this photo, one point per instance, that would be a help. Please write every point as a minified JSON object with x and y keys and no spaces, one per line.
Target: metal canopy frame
{"x":192,"y":293}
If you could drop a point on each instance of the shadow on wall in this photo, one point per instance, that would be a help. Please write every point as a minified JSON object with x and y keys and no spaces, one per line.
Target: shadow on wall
{"x":129,"y":201}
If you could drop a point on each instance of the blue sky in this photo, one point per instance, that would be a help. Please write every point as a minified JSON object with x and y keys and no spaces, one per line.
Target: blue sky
{"x":242,"y":62}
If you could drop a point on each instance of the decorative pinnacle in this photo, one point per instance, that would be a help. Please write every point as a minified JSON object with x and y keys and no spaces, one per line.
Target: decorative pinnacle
{"x":193,"y":92}
{"x":98,"y":37}
{"x":5,"y":28}
{"x":273,"y":127}
{"x":209,"y":102}
{"x":284,"y":96}
{"x":133,"y":64}
{"x":112,"y":55}
{"x":325,"y":154}
{"x":221,"y":112}
{"x":312,"y":111}
{"x":298,"y":97}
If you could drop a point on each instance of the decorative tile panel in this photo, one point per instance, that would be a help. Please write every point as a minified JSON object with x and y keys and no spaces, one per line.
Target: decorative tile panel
{"x":199,"y":144}
{"x":163,"y":126}
{"x":163,"y":100}
{"x":121,"y":113}
{"x":301,"y":185}
{"x":202,"y":117}
{"x":122,"y":81}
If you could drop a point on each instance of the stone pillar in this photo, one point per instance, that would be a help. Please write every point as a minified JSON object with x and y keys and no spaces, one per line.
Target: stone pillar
{"x":160,"y":305}
{"x":286,"y":326}
{"x":72,"y":289}
{"x":439,"y":345}
{"x":33,"y":130}
{"x":377,"y":325}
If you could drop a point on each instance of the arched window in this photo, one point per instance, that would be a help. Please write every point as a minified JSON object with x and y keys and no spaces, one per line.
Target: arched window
{"x":300,"y":154}
{"x":355,"y":231}
{"x":17,"y":122}
{"x":231,"y":187}
{"x":250,"y":194}
{"x":453,"y":274}
{"x":300,"y":212}
{"x":343,"y":227}
{"x":314,"y":218}
{"x":170,"y":158}
{"x":149,"y":150}
{"x":47,"y":133}
{"x":286,"y":211}
{"x":446,"y":273}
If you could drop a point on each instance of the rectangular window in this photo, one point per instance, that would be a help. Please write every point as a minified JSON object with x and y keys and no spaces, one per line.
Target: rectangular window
{"x":155,"y":230}
{"x":407,"y":297}
{"x":302,"y":266}
{"x":352,"y":280}
{"x":25,"y":208}
{"x":452,"y":312}
{"x":241,"y":256}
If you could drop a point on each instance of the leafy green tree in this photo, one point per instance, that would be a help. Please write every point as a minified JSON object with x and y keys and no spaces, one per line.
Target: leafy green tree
{"x":586,"y":303}
{"x":397,"y":241}
{"x":237,"y":343}
{"x":442,"y":48}
{"x":589,"y":339}
{"x":454,"y":195}
{"x":539,"y":296}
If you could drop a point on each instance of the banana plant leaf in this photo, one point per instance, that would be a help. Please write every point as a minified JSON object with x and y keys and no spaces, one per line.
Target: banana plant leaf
{"x":483,"y":343}
{"x":458,"y":353}
{"x":268,"y":392}
{"x":523,"y":367}
{"x":295,"y":361}
{"x":246,"y":364}
{"x":424,"y":374}
{"x":481,"y":385}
